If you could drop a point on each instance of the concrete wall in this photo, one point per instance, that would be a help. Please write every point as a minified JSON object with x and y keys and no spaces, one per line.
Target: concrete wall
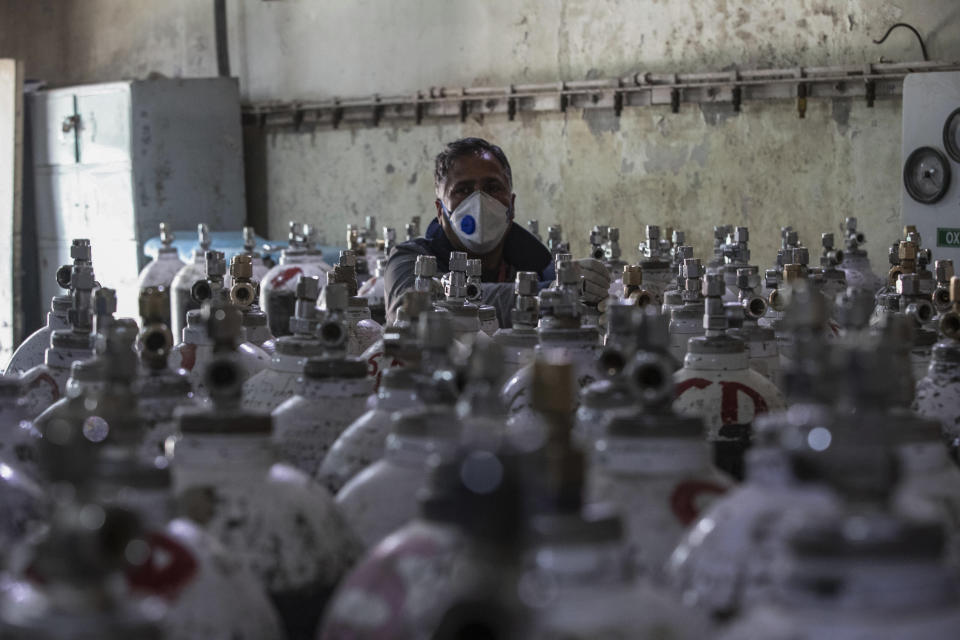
{"x":763,"y":167}
{"x":80,"y":41}
{"x":11,"y":167}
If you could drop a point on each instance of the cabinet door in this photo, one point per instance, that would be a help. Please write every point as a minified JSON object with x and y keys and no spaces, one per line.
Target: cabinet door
{"x":106,"y":212}
{"x":105,"y":208}
{"x":57,"y":204}
{"x":104,"y":136}
{"x":52,"y":129}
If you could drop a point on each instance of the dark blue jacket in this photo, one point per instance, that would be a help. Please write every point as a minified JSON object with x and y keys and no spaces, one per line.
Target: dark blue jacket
{"x":521,"y":252}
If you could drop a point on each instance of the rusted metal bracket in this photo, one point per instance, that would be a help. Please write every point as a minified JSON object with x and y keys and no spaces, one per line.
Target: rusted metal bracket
{"x":802,"y":90}
{"x":736,"y":91}
{"x":871,"y":81}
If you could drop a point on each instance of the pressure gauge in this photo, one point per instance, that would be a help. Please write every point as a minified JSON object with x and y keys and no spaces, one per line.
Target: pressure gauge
{"x":951,"y":135}
{"x":926,"y":175}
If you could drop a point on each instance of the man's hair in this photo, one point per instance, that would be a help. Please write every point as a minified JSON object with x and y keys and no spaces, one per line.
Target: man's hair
{"x":468,"y":147}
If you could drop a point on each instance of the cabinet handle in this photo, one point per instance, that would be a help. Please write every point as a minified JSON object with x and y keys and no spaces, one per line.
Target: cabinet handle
{"x":70,"y":123}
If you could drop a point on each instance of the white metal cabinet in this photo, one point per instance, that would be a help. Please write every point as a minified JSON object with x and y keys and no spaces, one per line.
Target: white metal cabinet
{"x":931,"y":161}
{"x":112,"y":161}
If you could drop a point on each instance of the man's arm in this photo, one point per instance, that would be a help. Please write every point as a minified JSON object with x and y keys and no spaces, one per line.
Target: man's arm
{"x":500,"y":296}
{"x":397,"y":278}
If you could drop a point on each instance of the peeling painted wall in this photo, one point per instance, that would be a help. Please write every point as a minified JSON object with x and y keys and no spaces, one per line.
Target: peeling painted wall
{"x":763,"y":167}
{"x":80,"y":41}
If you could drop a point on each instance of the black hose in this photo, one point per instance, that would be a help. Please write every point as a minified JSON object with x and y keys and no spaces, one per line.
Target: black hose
{"x":220,"y":36}
{"x":923,"y":47}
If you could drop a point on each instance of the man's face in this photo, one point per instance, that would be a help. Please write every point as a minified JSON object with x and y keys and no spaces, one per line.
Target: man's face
{"x":471,"y":173}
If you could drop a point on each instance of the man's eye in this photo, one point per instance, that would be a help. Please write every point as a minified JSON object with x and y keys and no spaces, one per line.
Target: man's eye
{"x":494,"y":187}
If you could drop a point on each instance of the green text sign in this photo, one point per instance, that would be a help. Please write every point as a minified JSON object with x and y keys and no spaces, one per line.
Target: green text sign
{"x":948,"y":237}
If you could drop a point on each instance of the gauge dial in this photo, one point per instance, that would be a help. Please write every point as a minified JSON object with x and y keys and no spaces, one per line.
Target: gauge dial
{"x":951,"y":135}
{"x":926,"y":175}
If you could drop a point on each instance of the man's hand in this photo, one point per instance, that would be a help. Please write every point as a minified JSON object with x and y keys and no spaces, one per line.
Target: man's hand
{"x":596,"y":280}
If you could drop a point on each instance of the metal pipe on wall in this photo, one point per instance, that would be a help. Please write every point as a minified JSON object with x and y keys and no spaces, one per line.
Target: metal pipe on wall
{"x":220,"y":34}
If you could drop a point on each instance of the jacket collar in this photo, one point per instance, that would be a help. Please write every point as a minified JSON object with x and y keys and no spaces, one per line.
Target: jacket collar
{"x":521,"y":250}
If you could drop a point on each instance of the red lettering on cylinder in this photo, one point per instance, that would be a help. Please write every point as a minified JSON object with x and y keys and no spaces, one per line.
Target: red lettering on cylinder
{"x":285,"y":276}
{"x":729,"y":408}
{"x":683,"y":500}
{"x":690,"y":383}
{"x":167,"y":569}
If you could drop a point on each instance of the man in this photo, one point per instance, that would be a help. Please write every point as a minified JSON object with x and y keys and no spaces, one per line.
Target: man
{"x":475,"y":211}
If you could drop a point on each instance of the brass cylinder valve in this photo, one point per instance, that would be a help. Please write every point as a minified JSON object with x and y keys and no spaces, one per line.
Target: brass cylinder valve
{"x":353,"y":238}
{"x":389,"y":240}
{"x":632,"y":275}
{"x":81,"y":254}
{"x":474,"y":273}
{"x":345,"y":272}
{"x":216,"y":268}
{"x":906,"y":261}
{"x":526,"y":306}
{"x":650,"y":248}
{"x":455,"y":282}
{"x":244,"y":290}
{"x":249,"y":240}
{"x":560,"y":305}
{"x":203,"y":237}
{"x":304,"y":319}
{"x":425,"y":271}
{"x":412,"y":305}
{"x":166,"y":236}
{"x":941,"y":295}
{"x":369,"y":229}
{"x":714,"y":314}
{"x":555,"y":241}
{"x":736,"y":249}
{"x":772,"y":278}
{"x":425,"y":267}
{"x":681,"y":253}
{"x":950,"y":320}
{"x":913,"y":305}
{"x":224,"y":324}
{"x":693,"y":272}
{"x":598,"y":236}
{"x":651,"y":378}
{"x":632,"y":286}
{"x":104,"y":306}
{"x":332,"y":330}
{"x":908,"y":256}
{"x":155,"y":337}
{"x":611,"y":250}
{"x":853,"y":238}
{"x":830,"y":257}
{"x":562,"y":466}
{"x":82,"y":284}
{"x":719,"y":238}
{"x":553,"y":387}
{"x":568,"y":276}
{"x":793,"y":272}
{"x":748,"y":279}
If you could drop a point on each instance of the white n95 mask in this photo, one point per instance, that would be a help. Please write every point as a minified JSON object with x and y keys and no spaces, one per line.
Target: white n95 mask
{"x":480,"y":221}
